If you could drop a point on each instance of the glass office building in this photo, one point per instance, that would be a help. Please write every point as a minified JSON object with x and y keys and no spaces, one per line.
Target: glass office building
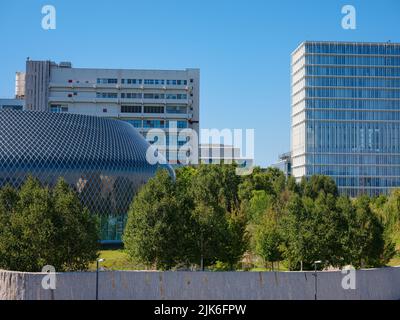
{"x":104,"y":160}
{"x":346,"y":114}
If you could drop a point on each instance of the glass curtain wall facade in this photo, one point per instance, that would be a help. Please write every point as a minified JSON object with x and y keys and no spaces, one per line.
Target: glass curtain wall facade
{"x":346,"y":114}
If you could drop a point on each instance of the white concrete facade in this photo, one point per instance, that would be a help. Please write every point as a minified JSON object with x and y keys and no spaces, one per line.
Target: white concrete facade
{"x":145,"y":98}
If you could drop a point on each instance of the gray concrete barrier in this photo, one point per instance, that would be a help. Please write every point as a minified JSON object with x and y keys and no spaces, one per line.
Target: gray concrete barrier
{"x":370,"y":284}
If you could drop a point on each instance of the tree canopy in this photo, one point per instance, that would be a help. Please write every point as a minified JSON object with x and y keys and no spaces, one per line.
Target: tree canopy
{"x":211,"y":216}
{"x":42,"y":226}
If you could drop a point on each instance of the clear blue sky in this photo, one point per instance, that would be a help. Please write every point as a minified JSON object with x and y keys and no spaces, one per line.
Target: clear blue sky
{"x":242,"y":48}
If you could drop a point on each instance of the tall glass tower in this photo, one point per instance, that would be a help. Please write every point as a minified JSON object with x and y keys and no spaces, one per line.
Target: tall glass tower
{"x":346,"y":114}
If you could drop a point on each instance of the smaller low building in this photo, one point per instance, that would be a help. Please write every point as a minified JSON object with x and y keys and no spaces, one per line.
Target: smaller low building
{"x":221,"y":153}
{"x":13,"y":104}
{"x":284,"y":164}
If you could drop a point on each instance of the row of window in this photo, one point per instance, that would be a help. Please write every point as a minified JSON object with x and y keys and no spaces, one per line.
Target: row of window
{"x":352,"y":93}
{"x":353,"y":71}
{"x":158,"y":124}
{"x":352,"y":82}
{"x":145,"y":81}
{"x":107,"y":81}
{"x":56,"y":108}
{"x":347,"y":159}
{"x":155,"y":96}
{"x":353,"y":60}
{"x":107,"y":95}
{"x":354,"y":170}
{"x":154,"y":109}
{"x":353,"y":48}
{"x":353,"y":104}
{"x":362,"y":137}
{"x":387,"y":182}
{"x":352,"y":115}
{"x":131,"y":81}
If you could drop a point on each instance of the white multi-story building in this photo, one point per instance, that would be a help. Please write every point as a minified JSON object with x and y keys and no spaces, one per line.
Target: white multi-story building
{"x":145,"y":98}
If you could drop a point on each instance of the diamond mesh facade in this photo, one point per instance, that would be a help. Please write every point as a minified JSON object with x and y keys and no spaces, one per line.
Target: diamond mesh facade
{"x":104,"y":160}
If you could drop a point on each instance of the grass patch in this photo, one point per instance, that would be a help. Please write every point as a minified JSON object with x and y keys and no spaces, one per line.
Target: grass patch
{"x":116,"y":260}
{"x":119,"y":260}
{"x":395,"y":262}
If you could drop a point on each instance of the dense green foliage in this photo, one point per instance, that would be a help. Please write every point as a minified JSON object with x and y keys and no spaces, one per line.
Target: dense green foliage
{"x":40,"y":226}
{"x":211,"y":215}
{"x":194,"y":219}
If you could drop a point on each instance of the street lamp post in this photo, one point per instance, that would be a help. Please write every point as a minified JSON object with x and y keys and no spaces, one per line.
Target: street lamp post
{"x":315,"y":280}
{"x":97,"y":277}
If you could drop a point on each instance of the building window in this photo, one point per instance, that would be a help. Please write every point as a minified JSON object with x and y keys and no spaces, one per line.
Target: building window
{"x":155,"y":96}
{"x":154,"y":81}
{"x":131,"y":95}
{"x":107,"y":95}
{"x":57,"y":108}
{"x":131,"y":109}
{"x":177,"y":109}
{"x":107,"y":81}
{"x":131,"y":81}
{"x":181,"y":124}
{"x":176,"y":96}
{"x":153,"y":123}
{"x":153,"y":109}
{"x":135,"y":123}
{"x":176,"y":82}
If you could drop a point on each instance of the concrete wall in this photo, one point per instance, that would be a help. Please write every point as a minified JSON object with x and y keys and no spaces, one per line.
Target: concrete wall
{"x":370,"y":284}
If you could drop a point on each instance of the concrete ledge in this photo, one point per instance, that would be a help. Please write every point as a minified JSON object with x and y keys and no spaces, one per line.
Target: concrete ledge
{"x":370,"y":284}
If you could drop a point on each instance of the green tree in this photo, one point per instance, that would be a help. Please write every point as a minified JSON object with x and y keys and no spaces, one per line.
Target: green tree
{"x":269,"y":240}
{"x":45,"y":227}
{"x":258,"y":205}
{"x":316,"y":184}
{"x":237,"y":239}
{"x":369,"y":241}
{"x":312,"y":230}
{"x":75,"y":242}
{"x":258,"y":180}
{"x":296,"y":234}
{"x":155,"y":232}
{"x":218,"y":225}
